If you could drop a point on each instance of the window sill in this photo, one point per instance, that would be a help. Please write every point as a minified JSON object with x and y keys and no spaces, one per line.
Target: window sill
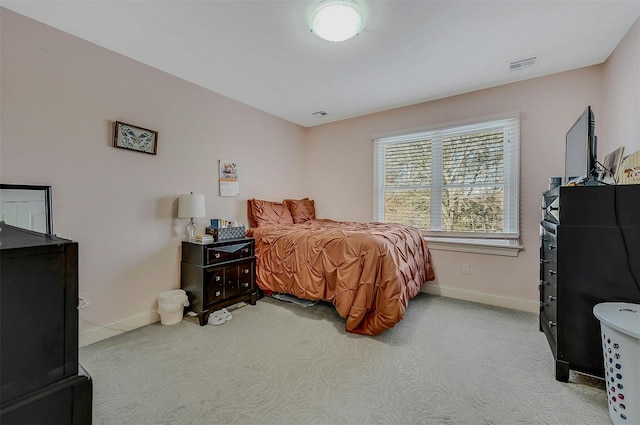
{"x":509,"y":248}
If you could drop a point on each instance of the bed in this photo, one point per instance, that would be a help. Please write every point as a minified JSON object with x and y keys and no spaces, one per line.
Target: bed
{"x":368,"y":271}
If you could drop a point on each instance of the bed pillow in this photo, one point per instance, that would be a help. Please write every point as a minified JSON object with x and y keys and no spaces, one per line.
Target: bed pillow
{"x":267,"y":212}
{"x":252,"y":221}
{"x":301,"y":209}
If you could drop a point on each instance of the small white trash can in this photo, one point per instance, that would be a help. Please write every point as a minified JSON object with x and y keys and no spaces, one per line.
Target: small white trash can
{"x":171,"y":306}
{"x":620,"y":329}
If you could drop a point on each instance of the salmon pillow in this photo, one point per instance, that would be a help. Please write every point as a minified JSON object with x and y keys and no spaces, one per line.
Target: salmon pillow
{"x":262,"y":213}
{"x":301,"y":209}
{"x":252,"y":221}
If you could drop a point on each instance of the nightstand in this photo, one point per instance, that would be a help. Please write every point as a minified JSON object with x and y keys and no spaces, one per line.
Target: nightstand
{"x":218,"y":274}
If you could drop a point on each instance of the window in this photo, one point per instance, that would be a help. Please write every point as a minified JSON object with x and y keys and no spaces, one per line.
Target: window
{"x":460,"y":181}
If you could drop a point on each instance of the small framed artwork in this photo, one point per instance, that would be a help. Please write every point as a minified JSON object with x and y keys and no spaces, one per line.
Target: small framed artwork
{"x":229,"y":182}
{"x":127,"y":136}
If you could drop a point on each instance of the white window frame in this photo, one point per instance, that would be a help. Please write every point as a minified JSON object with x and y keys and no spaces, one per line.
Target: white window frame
{"x":506,"y":243}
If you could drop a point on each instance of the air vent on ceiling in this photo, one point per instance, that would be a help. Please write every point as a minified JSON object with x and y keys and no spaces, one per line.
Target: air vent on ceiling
{"x":523,"y":63}
{"x":322,"y":113}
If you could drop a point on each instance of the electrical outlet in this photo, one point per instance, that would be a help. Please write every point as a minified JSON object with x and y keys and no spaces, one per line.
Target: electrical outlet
{"x":83,"y":302}
{"x":466,"y":268}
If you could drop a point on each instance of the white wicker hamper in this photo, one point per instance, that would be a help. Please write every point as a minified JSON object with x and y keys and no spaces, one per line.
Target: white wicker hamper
{"x":620,"y":329}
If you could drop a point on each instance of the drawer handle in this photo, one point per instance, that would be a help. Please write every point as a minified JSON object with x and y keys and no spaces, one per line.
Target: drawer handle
{"x":551,"y":324}
{"x":544,"y":261}
{"x":245,"y":284}
{"x":217,"y":278}
{"x":246,"y":271}
{"x":553,"y":208}
{"x":552,"y":272}
{"x":245,"y":250}
{"x":551,"y":298}
{"x":552,"y":247}
{"x":544,"y":282}
{"x":217,"y":255}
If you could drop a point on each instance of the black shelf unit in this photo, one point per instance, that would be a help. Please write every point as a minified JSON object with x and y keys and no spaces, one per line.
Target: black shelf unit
{"x":41,"y":381}
{"x":589,"y":253}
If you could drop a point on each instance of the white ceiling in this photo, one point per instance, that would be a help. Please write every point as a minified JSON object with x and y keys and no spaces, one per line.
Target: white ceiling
{"x":262,"y":53}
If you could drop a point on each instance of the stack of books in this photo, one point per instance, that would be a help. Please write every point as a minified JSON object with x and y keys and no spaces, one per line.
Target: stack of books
{"x":204,"y":238}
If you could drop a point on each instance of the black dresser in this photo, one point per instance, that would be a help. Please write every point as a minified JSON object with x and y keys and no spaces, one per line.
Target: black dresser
{"x":218,"y":274}
{"x":589,"y":253}
{"x":41,"y":381}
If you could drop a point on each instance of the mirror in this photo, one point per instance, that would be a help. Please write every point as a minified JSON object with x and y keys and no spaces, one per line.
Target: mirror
{"x":27,"y":206}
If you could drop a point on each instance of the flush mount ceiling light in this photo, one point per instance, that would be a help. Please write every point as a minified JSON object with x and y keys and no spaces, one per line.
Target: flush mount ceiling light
{"x":337,"y":20}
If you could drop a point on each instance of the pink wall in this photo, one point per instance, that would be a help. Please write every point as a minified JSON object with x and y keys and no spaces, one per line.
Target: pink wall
{"x":340,"y":170}
{"x":621,"y":111}
{"x":60,"y":96}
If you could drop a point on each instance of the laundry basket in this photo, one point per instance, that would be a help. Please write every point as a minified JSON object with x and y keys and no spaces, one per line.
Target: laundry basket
{"x":620,"y":328}
{"x":171,"y":306}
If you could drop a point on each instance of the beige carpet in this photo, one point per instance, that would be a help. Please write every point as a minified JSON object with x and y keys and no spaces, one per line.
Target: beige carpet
{"x":447,"y":362}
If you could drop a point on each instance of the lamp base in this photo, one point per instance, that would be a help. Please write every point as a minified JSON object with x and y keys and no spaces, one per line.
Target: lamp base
{"x":191,"y":230}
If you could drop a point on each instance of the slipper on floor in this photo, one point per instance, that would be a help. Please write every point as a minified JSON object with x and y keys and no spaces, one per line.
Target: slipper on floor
{"x":225,"y":314}
{"x":216,"y":318}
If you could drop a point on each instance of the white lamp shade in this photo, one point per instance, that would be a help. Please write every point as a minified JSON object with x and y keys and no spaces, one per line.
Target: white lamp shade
{"x":191,"y":205}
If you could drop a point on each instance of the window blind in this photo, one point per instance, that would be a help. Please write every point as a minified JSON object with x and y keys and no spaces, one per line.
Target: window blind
{"x":455,"y":181}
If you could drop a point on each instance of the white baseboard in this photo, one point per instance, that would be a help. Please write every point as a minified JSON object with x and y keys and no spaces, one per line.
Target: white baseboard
{"x":117,"y":328}
{"x":482,"y":298}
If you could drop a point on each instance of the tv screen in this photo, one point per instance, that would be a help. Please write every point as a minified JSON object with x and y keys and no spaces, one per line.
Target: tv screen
{"x":580,"y":154}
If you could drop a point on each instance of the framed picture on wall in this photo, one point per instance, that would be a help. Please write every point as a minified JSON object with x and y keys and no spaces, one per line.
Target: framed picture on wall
{"x":229,"y":182}
{"x":127,"y":136}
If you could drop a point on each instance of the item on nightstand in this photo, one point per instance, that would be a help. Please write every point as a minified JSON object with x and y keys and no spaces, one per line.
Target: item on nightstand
{"x":204,"y":238}
{"x":620,"y":327}
{"x":224,"y":233}
{"x":171,"y":306}
{"x":191,"y":206}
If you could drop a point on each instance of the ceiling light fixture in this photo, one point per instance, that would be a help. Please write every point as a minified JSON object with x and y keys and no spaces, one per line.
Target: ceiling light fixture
{"x":337,"y":20}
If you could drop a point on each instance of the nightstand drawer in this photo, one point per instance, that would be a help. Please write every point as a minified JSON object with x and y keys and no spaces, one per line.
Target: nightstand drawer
{"x":213,"y":285}
{"x":222,"y":254}
{"x":245,"y":278}
{"x":215,"y":293}
{"x":217,"y":252}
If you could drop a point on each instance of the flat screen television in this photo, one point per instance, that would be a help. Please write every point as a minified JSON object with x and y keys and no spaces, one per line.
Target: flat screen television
{"x":580,"y":158}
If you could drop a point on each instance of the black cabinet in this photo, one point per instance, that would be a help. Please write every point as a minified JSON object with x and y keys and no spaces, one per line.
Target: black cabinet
{"x":589,"y":253}
{"x":67,"y":401}
{"x":218,"y":274}
{"x":39,"y":330}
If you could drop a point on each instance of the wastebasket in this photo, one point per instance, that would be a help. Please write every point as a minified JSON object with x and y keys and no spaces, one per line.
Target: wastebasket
{"x":171,"y":306}
{"x":620,"y":329}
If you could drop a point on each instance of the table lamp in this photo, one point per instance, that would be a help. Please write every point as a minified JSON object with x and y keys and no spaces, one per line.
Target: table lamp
{"x":190,"y":206}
